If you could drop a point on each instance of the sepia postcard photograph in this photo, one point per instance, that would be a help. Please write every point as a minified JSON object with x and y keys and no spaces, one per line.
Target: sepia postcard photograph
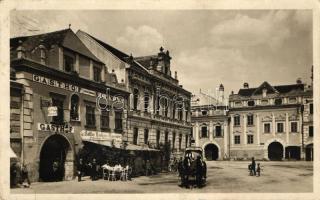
{"x":168,"y":100}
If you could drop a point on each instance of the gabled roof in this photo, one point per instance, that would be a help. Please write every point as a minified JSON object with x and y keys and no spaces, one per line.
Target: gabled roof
{"x":65,"y":38}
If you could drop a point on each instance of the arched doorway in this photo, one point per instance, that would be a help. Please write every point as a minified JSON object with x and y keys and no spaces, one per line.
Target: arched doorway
{"x":309,"y":152}
{"x":211,"y":152}
{"x":275,"y":151}
{"x":53,"y":159}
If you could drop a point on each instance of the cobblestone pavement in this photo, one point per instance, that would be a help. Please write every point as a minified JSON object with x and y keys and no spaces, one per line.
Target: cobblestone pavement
{"x":223,"y":177}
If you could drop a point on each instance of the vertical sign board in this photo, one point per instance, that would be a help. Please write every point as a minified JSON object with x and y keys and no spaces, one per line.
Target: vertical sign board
{"x":52,"y":111}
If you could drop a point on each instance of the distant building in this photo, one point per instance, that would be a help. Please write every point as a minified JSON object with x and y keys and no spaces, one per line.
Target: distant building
{"x":210,"y":124}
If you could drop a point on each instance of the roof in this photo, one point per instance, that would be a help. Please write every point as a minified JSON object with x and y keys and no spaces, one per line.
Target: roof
{"x":282,"y":89}
{"x":145,"y":60}
{"x":121,"y":55}
{"x":66,"y":38}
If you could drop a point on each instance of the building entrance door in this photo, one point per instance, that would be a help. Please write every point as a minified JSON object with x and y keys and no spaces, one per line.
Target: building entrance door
{"x":53,"y":158}
{"x":293,"y":153}
{"x":211,"y":152}
{"x":275,"y":151}
{"x":309,"y":152}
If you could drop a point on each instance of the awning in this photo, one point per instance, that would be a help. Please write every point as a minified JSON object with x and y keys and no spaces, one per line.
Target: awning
{"x":131,"y":147}
{"x":101,"y":142}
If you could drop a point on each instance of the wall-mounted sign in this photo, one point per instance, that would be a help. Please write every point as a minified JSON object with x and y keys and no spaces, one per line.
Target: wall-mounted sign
{"x":88,"y":92}
{"x":52,"y":111}
{"x":55,"y":83}
{"x":55,"y":128}
{"x":114,"y":138}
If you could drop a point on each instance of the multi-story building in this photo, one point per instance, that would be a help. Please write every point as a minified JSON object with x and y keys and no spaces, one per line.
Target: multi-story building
{"x":55,"y":82}
{"x":210,"y":124}
{"x":159,"y":106}
{"x":266,"y":122}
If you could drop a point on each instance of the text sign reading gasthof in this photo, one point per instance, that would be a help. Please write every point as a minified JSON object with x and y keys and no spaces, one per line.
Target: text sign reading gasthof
{"x":55,"y":128}
{"x":55,"y":83}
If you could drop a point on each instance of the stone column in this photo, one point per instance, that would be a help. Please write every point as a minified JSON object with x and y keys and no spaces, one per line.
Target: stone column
{"x":245,"y":129}
{"x":211,"y":132}
{"x":273,"y":125}
{"x":258,"y":129}
{"x":287,"y":128}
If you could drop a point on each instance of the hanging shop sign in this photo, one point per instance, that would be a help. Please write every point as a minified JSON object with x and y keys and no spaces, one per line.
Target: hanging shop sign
{"x":55,"y":83}
{"x":52,"y":111}
{"x":114,"y":138}
{"x":55,"y":128}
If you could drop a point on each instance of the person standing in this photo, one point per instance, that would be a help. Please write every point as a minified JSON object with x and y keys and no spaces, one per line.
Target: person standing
{"x":148,"y":168}
{"x":93,"y":169}
{"x":80,"y":169}
{"x":253,"y":167}
{"x":25,"y":176}
{"x":198,"y":171}
{"x":13,"y":175}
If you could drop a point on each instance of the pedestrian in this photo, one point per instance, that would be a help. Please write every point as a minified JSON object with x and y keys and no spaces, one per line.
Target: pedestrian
{"x":204,"y":168}
{"x":186,"y":170}
{"x":198,"y":171}
{"x":258,"y":169}
{"x":25,"y":176}
{"x":55,"y":170}
{"x":148,"y":168}
{"x":13,"y":175}
{"x":93,"y":169}
{"x":80,"y":169}
{"x":253,"y":167}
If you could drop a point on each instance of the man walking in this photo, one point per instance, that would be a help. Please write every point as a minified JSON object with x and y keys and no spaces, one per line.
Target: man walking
{"x":253,"y":167}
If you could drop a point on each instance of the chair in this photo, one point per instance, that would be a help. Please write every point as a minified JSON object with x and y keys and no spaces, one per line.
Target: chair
{"x":105,"y":173}
{"x":124,"y":174}
{"x":112,"y":174}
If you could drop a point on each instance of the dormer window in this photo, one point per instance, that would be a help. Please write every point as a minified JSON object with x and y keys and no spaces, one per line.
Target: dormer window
{"x":251,"y":103}
{"x":97,"y":74}
{"x":68,"y":63}
{"x":278,"y":102}
{"x":264,"y":93}
{"x":292,"y":100}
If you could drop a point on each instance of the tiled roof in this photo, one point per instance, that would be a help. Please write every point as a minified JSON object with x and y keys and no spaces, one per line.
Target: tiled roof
{"x":66,"y":38}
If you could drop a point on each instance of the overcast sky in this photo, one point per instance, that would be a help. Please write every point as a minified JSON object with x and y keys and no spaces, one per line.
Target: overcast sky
{"x":208,"y":47}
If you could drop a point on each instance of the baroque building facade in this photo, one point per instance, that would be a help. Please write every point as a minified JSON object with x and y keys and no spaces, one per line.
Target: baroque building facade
{"x":159,"y":111}
{"x":55,"y":82}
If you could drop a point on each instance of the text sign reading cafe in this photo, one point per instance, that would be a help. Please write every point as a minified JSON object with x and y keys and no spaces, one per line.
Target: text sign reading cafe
{"x":101,"y":136}
{"x":55,"y":128}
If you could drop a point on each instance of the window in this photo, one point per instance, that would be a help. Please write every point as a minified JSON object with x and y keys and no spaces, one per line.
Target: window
{"x":250,"y":120}
{"x":187,"y":137}
{"x":237,"y":120}
{"x":292,"y":100}
{"x":294,"y":127}
{"x":166,"y":135}
{"x":204,"y":112}
{"x":180,"y":111}
{"x":158,"y":138}
{"x":311,"y":108}
{"x":173,"y":140}
{"x":146,"y":136}
{"x":74,"y":111}
{"x":180,"y":141}
{"x":310,"y":131}
{"x":59,"y":119}
{"x":174,"y":110}
{"x":135,"y":99}
{"x":204,"y":131}
{"x":278,"y":101}
{"x":280,"y":127}
{"x":266,"y":128}
{"x":250,"y":103}
{"x":97,"y":74}
{"x":238,"y":103}
{"x":135,"y":136}
{"x":146,"y":101}
{"x":166,"y":106}
{"x":104,"y":119}
{"x":250,"y":139}
{"x":218,"y":131}
{"x":90,"y":116}
{"x":237,"y":139}
{"x":118,"y":121}
{"x":264,"y":102}
{"x":68,"y":63}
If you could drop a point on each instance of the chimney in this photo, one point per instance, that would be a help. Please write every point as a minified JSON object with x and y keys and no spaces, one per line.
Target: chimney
{"x":246,"y":85}
{"x":176,"y":75}
{"x":21,"y":50}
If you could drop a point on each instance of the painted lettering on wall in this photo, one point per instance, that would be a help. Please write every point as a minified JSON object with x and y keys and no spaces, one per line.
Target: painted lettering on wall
{"x":55,"y":83}
{"x":55,"y":128}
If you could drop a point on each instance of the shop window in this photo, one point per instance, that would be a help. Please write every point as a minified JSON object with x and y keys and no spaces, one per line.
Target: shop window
{"x":251,"y":103}
{"x":250,"y":120}
{"x":68,"y":63}
{"x":278,"y":101}
{"x":266,"y":128}
{"x":118,"y":121}
{"x":218,"y":131}
{"x":310,"y":131}
{"x":204,"y":131}
{"x":59,"y":119}
{"x":237,"y":120}
{"x":90,"y":116}
{"x":104,"y":119}
{"x":135,"y":99}
{"x":97,"y":74}
{"x":158,"y":138}
{"x":146,"y":136}
{"x":74,"y":111}
{"x":250,"y":139}
{"x":135,"y":135}
{"x":294,"y":127}
{"x":280,"y":127}
{"x":146,"y":101}
{"x":237,"y":139}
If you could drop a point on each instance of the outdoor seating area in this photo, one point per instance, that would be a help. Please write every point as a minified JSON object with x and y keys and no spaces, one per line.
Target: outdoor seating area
{"x":116,"y":172}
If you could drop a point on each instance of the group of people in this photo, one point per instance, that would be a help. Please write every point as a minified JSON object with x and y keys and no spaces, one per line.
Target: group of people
{"x":254,"y":169}
{"x":191,"y":166}
{"x":19,"y":175}
{"x":93,"y":167}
